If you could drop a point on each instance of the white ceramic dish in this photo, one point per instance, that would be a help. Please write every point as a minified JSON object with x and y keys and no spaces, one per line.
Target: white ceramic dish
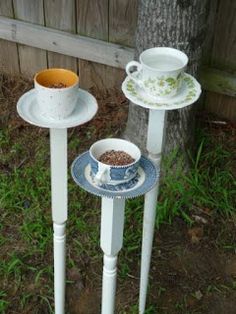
{"x":188,"y":93}
{"x":28,"y":109}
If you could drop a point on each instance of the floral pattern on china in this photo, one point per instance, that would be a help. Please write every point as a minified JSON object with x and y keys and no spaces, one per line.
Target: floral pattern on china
{"x":163,"y":86}
{"x":188,"y":92}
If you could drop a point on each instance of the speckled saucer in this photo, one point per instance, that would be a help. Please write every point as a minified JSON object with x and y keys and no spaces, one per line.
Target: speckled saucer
{"x":85,"y":109}
{"x":146,"y":179}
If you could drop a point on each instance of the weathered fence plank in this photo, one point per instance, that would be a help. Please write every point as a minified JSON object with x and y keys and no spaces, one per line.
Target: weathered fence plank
{"x":92,"y":74}
{"x":92,"y":18}
{"x":31,"y":59}
{"x":99,"y":75}
{"x":223,"y":52}
{"x":222,"y":105}
{"x":65,"y":43}
{"x":60,"y":14}
{"x":208,"y":43}
{"x":9,"y":61}
{"x":122,"y":21}
{"x":224,"y":47}
{"x":92,"y":21}
{"x":218,"y":81}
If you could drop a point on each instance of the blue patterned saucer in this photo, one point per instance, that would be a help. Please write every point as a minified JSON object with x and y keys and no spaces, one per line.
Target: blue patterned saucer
{"x":147,"y":177}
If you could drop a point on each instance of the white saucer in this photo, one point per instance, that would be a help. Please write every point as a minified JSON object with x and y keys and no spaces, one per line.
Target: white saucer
{"x":188,"y":93}
{"x":84,"y":111}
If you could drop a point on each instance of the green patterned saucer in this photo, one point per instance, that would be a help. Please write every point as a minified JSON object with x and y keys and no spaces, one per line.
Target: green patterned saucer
{"x":188,"y":93}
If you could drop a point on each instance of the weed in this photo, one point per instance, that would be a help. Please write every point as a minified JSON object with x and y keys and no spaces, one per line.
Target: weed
{"x":209,"y":183}
{"x":3,"y":303}
{"x":181,"y":305}
{"x":134,"y":310}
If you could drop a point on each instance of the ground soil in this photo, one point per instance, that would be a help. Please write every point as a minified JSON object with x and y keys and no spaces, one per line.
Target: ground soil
{"x":193,"y":267}
{"x":186,"y":276}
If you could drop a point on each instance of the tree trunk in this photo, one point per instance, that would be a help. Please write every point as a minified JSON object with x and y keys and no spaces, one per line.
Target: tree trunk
{"x":180,"y":24}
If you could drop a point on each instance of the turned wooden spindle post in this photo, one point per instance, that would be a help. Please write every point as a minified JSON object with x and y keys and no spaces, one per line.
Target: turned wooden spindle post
{"x":155,"y":139}
{"x":58,"y":146}
{"x":112,"y":225}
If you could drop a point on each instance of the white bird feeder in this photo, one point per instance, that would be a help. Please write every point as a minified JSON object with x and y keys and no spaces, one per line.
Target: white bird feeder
{"x":57,"y":103}
{"x":187,"y":94}
{"x":112,"y":215}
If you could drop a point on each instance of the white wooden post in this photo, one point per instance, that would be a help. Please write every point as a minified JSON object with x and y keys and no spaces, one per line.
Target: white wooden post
{"x":58,"y":146}
{"x":59,"y":242}
{"x":155,"y":139}
{"x":112,"y":226}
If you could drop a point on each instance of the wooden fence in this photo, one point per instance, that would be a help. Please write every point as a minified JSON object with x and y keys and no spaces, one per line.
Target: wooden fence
{"x":221,"y":83}
{"x":54,"y":25}
{"x":95,"y":38}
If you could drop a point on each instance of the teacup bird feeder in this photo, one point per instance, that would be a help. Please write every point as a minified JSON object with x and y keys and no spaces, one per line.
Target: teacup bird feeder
{"x":57,"y":103}
{"x":114,"y":189}
{"x":160,"y":66}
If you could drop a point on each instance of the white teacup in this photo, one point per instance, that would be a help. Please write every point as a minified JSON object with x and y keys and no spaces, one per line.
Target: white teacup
{"x":159,"y":72}
{"x":56,"y":103}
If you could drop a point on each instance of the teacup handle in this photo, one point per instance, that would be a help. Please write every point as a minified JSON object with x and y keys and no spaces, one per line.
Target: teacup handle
{"x":99,"y":176}
{"x":139,"y":68}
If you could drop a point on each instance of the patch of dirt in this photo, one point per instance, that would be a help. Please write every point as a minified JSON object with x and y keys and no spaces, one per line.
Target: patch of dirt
{"x":189,"y":275}
{"x":185,"y":277}
{"x":230,"y":267}
{"x":220,"y":304}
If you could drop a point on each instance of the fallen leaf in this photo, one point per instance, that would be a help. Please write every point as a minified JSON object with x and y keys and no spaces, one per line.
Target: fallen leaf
{"x":200,"y":219}
{"x":207,"y":210}
{"x":195,"y":234}
{"x":198,"y":295}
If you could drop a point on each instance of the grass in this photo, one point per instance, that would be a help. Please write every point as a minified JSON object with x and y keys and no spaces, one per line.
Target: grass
{"x":26,"y":230}
{"x":3,"y":302}
{"x":134,"y":310}
{"x":209,"y":183}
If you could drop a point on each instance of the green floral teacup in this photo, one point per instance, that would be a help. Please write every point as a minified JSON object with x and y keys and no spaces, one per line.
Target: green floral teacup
{"x":159,"y":72}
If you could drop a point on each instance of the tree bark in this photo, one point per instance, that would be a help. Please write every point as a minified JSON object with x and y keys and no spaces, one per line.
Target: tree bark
{"x":180,"y":24}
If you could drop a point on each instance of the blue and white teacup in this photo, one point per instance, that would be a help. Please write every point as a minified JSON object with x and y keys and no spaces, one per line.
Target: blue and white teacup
{"x":109,"y":174}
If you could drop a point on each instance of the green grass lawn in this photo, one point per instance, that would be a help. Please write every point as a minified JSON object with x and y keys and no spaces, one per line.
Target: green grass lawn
{"x":26,"y":271}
